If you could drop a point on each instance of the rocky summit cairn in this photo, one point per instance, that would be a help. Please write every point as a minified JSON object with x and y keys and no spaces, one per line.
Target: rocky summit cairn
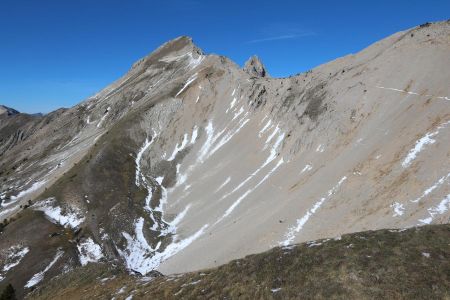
{"x":255,"y":67}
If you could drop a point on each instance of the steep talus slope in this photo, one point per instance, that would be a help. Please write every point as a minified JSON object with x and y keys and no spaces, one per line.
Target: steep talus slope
{"x":386,"y":264}
{"x":188,"y":161}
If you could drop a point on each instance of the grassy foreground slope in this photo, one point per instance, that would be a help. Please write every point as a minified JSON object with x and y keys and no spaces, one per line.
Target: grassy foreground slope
{"x":409,"y":264}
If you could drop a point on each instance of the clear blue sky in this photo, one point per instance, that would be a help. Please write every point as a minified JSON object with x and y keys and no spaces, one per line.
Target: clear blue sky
{"x":55,"y":53}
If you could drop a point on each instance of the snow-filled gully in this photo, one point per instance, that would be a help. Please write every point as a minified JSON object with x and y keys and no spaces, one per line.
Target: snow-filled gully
{"x":139,"y":256}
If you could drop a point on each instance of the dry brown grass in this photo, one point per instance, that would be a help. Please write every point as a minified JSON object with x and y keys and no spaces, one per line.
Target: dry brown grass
{"x":375,"y":264}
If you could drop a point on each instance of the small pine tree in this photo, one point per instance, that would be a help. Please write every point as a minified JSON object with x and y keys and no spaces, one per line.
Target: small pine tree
{"x":8,"y":293}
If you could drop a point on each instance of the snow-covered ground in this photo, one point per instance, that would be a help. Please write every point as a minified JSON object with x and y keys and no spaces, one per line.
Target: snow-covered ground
{"x":70,"y":217}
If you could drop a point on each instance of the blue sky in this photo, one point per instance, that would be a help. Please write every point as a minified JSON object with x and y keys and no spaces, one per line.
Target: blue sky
{"x":55,"y":53}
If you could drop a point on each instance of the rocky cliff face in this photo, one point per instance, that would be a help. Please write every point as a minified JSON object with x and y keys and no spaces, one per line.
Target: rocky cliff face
{"x":189,"y":161}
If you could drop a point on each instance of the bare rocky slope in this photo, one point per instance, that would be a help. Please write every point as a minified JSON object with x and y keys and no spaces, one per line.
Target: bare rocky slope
{"x":189,"y":161}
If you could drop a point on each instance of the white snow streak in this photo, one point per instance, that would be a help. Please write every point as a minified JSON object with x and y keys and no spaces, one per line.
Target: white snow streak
{"x":265,"y":128}
{"x":194,"y":135}
{"x":208,"y":143}
{"x":179,"y":148}
{"x":307,"y":168}
{"x":223,"y":184}
{"x":243,"y":196}
{"x":270,"y":137}
{"x":103,"y":117}
{"x":427,"y":139}
{"x":233,"y":103}
{"x":189,"y":81}
{"x":290,"y":235}
{"x":270,"y":158}
{"x":412,"y":93}
{"x":39,"y":276}
{"x":228,"y":137}
{"x":172,"y":226}
{"x":432,"y":188}
{"x":240,"y":112}
{"x":141,"y":152}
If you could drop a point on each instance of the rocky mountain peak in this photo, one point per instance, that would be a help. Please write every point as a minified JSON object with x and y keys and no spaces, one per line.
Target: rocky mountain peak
{"x":255,"y":67}
{"x":169,"y":51}
{"x":7,"y":110}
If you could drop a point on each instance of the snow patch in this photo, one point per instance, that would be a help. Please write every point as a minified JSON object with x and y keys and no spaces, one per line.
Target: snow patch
{"x":442,"y":207}
{"x":15,"y":255}
{"x":33,"y":188}
{"x":89,"y":251}
{"x":72,"y":217}
{"x":398,"y":208}
{"x":140,"y":257}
